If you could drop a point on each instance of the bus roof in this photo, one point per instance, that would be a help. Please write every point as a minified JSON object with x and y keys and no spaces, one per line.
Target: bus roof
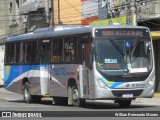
{"x":46,"y":33}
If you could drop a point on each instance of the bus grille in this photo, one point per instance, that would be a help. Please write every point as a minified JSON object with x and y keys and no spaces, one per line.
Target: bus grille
{"x":127,"y":79}
{"x":119,"y":93}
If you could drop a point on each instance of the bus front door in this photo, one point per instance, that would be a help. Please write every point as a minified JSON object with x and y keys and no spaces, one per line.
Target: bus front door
{"x":85,"y":72}
{"x":44,"y":68}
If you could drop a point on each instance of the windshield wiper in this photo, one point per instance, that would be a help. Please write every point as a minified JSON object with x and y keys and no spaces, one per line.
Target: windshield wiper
{"x":135,"y":45}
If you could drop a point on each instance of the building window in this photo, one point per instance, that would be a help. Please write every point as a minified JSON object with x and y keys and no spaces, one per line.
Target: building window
{"x":10,"y":6}
{"x":17,"y":1}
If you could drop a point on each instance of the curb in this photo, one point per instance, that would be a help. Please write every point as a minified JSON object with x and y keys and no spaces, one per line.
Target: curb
{"x":157,"y":94}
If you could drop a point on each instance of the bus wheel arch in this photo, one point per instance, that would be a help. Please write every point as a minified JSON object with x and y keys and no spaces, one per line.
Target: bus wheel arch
{"x":73,"y":94}
{"x":26,"y":91}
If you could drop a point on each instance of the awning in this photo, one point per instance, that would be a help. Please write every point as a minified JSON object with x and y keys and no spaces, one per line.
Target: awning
{"x":155,"y":35}
{"x":30,"y":6}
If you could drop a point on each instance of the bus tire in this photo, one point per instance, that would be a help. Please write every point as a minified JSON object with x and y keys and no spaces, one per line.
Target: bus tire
{"x":75,"y":100}
{"x":27,"y":97}
{"x":124,"y":103}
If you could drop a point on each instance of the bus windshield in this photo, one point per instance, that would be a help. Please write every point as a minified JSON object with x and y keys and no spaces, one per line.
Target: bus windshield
{"x":123,"y":56}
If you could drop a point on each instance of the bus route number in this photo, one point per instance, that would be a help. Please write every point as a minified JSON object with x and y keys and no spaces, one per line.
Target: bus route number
{"x":113,"y":66}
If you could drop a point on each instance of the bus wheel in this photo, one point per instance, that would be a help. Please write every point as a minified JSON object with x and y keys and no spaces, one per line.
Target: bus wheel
{"x":124,"y":103}
{"x":76,"y":101}
{"x":26,"y":93}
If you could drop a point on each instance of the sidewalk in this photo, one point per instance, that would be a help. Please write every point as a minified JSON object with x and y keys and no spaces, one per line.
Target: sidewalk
{"x":147,"y":101}
{"x":157,"y":94}
{"x":1,"y":83}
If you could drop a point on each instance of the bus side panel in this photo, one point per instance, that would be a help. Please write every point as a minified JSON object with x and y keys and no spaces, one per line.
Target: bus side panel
{"x":60,"y":74}
{"x":16,"y":73}
{"x":44,"y":80}
{"x":35,"y":86}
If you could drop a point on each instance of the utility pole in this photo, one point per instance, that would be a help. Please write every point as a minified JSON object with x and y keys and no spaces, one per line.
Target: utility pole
{"x":52,"y":17}
{"x":58,"y":12}
{"x":47,"y":12}
{"x":134,"y":11}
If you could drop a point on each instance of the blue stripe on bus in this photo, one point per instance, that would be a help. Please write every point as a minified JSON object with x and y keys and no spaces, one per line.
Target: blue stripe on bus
{"x":116,"y":84}
{"x":111,"y":84}
{"x":12,"y":72}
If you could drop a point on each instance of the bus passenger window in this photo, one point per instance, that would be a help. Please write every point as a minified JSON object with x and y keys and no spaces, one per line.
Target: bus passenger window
{"x":57,"y":50}
{"x":32,"y":52}
{"x":18,"y":57}
{"x":70,"y":49}
{"x":10,"y":55}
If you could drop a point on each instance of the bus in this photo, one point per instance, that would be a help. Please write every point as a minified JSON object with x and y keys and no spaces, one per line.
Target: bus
{"x":1,"y":64}
{"x":75,"y":64}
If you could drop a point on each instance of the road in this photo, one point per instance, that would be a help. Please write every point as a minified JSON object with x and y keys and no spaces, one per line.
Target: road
{"x":13,"y":102}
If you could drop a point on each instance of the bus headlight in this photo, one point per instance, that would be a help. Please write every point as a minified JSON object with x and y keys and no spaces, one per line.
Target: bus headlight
{"x":151,"y":82}
{"x":101,"y":83}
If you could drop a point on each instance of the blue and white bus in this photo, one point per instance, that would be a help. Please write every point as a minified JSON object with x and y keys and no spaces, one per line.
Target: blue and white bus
{"x":75,"y":64}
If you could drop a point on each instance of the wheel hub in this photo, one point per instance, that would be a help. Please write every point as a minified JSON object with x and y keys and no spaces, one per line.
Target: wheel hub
{"x":26,"y":94}
{"x":75,"y":95}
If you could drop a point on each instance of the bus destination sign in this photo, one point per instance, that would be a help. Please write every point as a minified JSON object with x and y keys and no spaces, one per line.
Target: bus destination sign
{"x":121,"y":33}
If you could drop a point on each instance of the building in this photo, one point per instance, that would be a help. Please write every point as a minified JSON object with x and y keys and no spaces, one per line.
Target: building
{"x":2,"y":19}
{"x":10,"y":18}
{"x":77,"y":12}
{"x":36,"y":14}
{"x":67,"y":12}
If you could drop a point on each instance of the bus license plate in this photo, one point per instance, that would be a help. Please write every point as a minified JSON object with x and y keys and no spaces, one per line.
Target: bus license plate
{"x":127,"y":95}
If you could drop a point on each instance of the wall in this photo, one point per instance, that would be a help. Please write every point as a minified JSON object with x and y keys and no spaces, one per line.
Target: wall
{"x":70,"y":12}
{"x":148,"y":10}
{"x":2,"y":19}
